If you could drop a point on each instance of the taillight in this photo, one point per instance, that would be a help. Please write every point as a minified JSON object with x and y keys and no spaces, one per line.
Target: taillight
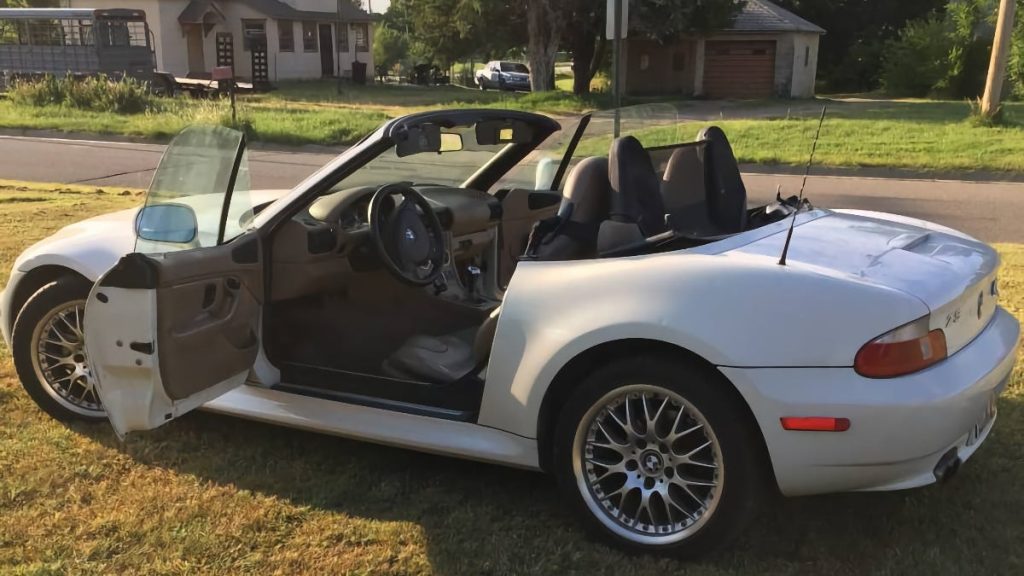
{"x":907,"y":349}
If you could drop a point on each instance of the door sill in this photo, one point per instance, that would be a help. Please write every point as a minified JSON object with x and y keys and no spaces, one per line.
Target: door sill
{"x":459,"y":400}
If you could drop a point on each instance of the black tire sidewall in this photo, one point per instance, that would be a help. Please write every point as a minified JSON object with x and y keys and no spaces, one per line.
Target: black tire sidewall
{"x":705,"y":388}
{"x":50,"y":296}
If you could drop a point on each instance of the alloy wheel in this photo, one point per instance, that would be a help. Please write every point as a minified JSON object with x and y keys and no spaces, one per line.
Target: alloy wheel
{"x":648,"y":465}
{"x":60,"y":361}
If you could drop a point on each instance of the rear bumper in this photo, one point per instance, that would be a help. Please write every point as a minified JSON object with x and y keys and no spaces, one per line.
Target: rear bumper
{"x":900,"y":427}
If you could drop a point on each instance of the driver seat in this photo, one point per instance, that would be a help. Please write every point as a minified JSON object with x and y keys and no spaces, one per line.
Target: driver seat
{"x":443,"y":359}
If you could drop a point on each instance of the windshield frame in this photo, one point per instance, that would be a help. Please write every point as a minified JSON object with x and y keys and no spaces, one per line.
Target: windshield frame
{"x":384,"y":138}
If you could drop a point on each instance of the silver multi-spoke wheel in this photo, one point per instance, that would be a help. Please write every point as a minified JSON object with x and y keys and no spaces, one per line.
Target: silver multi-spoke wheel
{"x":648,"y":465}
{"x":60,"y":362}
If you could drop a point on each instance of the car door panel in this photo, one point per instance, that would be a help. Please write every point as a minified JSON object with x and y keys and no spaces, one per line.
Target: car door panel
{"x":208,"y":308}
{"x":169,"y":333}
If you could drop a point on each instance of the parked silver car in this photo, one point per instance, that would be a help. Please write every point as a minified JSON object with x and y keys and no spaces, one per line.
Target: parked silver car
{"x":501,"y":75}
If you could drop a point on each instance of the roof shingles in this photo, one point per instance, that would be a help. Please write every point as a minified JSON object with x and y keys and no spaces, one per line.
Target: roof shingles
{"x":763,"y":16}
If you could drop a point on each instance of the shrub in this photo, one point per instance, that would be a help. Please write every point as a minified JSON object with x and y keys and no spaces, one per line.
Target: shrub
{"x":45,"y":91}
{"x":942,"y":55}
{"x":97,"y":93}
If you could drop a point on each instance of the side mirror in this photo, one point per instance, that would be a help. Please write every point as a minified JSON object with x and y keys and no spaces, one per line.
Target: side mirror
{"x":451,"y":142}
{"x":174,"y":223}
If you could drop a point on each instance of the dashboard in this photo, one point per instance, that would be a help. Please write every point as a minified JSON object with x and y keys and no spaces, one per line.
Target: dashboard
{"x":321,"y":247}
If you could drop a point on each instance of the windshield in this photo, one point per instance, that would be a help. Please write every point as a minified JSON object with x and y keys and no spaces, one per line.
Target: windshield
{"x":514,"y":67}
{"x":197,"y":170}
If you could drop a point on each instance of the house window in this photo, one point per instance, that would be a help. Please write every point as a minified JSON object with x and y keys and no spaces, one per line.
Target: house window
{"x":362,"y":37}
{"x":342,"y":37}
{"x":309,"y":43}
{"x":285,"y":35}
{"x":807,"y":55}
{"x":250,"y":29}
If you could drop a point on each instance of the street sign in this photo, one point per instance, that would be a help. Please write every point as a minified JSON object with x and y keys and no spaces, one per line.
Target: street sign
{"x":610,"y":20}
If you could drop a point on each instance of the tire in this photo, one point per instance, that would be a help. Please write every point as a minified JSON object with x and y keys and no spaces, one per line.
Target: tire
{"x":681,"y":397}
{"x":60,"y":387}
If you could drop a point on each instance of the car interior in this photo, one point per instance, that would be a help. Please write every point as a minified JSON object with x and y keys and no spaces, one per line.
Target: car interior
{"x":389,"y":295}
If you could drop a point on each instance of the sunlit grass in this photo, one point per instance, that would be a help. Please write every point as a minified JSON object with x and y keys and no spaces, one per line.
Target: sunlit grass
{"x":211,"y":494}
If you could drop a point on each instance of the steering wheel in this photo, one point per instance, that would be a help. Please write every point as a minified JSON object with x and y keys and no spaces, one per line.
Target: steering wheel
{"x":409,"y":237}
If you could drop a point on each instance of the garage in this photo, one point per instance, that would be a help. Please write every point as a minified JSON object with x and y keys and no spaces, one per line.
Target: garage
{"x":739,"y":69}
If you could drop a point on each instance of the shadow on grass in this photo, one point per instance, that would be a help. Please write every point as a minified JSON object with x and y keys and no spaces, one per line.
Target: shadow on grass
{"x":480,"y":519}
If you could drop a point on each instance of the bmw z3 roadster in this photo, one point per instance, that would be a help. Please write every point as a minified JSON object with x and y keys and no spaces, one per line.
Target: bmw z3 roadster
{"x":487,"y":284}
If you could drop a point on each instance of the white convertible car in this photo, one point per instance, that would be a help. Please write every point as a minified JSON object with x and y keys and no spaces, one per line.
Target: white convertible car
{"x":621,"y":321}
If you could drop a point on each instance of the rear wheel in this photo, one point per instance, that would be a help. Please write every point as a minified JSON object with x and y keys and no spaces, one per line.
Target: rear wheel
{"x":49,"y":351}
{"x":655,"y":455}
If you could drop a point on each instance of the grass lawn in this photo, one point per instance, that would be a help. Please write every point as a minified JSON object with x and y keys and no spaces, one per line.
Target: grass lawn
{"x":218,"y":495}
{"x":920,"y":135}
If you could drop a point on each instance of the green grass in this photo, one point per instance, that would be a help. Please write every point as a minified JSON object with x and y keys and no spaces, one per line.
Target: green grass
{"x":920,"y":135}
{"x":212,"y":494}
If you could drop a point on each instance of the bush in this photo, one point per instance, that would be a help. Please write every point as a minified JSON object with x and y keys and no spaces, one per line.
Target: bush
{"x":96,"y":93}
{"x":941,"y":55}
{"x":917,"y":61}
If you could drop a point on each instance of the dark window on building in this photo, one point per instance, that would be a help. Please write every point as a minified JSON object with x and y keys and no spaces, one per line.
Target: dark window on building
{"x":343,"y":37}
{"x":362,"y":37}
{"x":286,"y":35}
{"x":309,"y":41}
{"x":807,"y":56}
{"x":679,"y":62}
{"x":251,"y":28}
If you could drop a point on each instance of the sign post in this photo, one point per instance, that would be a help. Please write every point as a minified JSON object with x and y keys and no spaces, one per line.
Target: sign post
{"x":617,"y":25}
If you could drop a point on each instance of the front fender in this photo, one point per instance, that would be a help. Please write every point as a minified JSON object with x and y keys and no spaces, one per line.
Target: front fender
{"x":730,"y":309}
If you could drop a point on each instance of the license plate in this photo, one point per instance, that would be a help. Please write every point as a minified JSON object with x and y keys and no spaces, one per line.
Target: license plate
{"x":990,"y":413}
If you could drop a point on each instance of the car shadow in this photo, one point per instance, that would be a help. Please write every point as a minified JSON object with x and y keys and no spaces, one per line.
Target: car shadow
{"x":482,"y":519}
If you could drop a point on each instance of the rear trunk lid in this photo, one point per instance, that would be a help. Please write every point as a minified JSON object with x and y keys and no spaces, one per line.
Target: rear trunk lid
{"x":953,"y":274}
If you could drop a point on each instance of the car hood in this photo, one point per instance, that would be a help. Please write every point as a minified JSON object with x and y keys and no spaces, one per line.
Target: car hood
{"x":92,"y":246}
{"x":945,"y":269}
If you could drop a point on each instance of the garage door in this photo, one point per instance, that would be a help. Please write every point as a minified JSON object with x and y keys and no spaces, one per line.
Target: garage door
{"x":739,"y":69}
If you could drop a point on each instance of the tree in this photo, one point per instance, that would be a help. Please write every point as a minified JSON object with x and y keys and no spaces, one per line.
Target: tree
{"x":852,"y":51}
{"x":389,"y":47}
{"x":543,"y":24}
{"x":445,"y":31}
{"x":997,"y":66}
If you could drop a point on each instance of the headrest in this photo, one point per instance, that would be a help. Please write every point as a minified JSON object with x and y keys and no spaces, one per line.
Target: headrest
{"x":587,"y":191}
{"x":636,"y":188}
{"x":727,"y":197}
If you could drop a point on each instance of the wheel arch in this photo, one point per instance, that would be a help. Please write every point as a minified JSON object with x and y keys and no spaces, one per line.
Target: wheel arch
{"x":35,"y":279}
{"x":592,"y":359}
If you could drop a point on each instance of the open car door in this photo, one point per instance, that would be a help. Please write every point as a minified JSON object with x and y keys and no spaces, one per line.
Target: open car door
{"x":175,"y":324}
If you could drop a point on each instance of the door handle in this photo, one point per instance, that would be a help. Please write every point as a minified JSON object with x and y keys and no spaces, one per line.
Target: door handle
{"x":233,"y":283}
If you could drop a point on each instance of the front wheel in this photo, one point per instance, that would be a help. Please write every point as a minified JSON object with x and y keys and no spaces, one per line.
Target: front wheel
{"x":49,"y":351}
{"x":657,"y":456}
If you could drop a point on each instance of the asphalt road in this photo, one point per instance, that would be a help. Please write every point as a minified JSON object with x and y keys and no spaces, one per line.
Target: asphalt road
{"x":992,"y":211}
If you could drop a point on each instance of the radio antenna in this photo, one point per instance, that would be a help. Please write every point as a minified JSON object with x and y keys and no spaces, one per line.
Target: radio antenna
{"x":800,"y":200}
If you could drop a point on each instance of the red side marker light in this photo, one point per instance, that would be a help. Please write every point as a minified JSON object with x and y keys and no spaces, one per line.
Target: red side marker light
{"x":815,"y":424}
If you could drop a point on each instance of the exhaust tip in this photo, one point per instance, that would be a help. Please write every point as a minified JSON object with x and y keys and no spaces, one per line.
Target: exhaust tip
{"x":948,"y":466}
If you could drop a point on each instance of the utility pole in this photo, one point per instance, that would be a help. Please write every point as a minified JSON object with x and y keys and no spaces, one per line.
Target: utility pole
{"x":997,"y":65}
{"x":617,"y":66}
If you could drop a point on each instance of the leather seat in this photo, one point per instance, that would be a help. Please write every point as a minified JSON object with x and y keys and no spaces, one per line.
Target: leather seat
{"x":572,"y":233}
{"x":637,"y":210}
{"x":444,"y":359}
{"x":702,"y":188}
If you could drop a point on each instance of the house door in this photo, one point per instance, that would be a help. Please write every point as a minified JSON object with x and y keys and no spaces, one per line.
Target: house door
{"x":326,"y":51}
{"x":225,"y":49}
{"x":196,"y":59}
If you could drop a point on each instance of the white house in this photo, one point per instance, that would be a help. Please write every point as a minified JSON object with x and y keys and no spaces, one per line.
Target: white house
{"x":304,"y":38}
